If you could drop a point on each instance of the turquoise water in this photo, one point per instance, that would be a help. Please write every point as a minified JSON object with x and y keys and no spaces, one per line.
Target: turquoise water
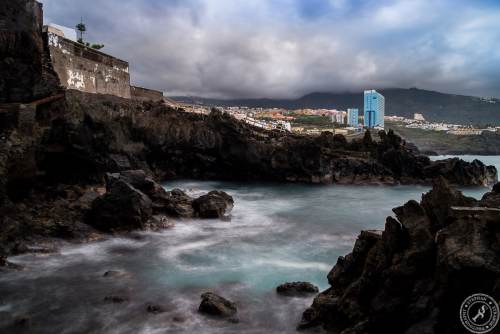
{"x":277,"y":233}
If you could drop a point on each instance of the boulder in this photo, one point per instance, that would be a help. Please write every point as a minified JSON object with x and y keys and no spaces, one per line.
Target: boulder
{"x":215,"y":204}
{"x":215,"y":305}
{"x":175,"y":203}
{"x":121,"y":208}
{"x":297,"y":289}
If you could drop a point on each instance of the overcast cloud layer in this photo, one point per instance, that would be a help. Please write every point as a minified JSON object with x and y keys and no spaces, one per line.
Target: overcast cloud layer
{"x":287,"y":48}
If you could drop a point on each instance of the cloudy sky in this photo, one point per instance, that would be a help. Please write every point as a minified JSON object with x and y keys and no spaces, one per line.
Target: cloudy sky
{"x":287,"y":48}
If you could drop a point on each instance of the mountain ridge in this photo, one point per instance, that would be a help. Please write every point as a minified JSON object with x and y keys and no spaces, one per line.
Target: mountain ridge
{"x":435,"y":106}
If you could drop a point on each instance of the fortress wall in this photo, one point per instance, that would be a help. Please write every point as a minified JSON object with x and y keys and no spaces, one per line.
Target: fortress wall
{"x":145,"y":94}
{"x":88,"y":70}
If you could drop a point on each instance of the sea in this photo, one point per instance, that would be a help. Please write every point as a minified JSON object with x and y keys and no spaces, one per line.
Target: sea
{"x":277,"y":233}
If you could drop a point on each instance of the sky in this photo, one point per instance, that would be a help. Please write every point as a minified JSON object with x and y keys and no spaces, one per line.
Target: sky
{"x":289,"y":48}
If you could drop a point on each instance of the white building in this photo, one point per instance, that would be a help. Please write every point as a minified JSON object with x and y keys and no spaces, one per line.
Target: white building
{"x":419,"y":117}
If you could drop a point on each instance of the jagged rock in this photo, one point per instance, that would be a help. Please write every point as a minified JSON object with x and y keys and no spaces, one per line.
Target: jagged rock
{"x":122,"y":208}
{"x":215,"y":305}
{"x":459,"y":172}
{"x":491,"y":199}
{"x":215,"y":204}
{"x":296,"y":289}
{"x":175,"y":203}
{"x":414,"y":276}
{"x":440,"y":199}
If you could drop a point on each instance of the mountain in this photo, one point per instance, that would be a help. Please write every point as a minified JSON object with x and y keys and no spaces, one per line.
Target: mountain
{"x":435,"y":106}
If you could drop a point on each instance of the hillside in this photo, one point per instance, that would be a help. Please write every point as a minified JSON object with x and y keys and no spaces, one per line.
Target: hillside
{"x":446,"y":144}
{"x":434,"y":106}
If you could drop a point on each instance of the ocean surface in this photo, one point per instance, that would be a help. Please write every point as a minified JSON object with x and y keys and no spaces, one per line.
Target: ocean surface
{"x":277,"y":233}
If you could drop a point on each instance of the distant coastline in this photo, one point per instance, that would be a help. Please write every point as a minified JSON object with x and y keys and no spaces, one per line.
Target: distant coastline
{"x":442,"y":143}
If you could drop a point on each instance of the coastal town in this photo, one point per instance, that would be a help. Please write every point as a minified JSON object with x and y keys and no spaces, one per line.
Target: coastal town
{"x":348,"y":122}
{"x":90,"y":70}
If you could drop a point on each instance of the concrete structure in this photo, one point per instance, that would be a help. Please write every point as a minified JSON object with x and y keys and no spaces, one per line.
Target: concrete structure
{"x":83,"y":68}
{"x":352,"y":117}
{"x":374,"y":109}
{"x":145,"y":94}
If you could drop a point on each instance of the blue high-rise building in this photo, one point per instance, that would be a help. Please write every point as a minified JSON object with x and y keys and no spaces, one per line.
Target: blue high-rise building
{"x":374,"y":109}
{"x":352,"y":117}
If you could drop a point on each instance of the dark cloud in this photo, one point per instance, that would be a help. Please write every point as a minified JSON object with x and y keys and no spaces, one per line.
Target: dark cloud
{"x":285,"y":48}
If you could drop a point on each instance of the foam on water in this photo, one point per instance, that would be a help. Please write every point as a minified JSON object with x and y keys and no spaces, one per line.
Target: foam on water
{"x":277,"y":233}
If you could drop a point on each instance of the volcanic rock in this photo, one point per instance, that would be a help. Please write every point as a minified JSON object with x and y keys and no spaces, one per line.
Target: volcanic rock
{"x":215,"y":305}
{"x":296,"y":289}
{"x":215,"y":204}
{"x":122,"y":208}
{"x":413,"y":276}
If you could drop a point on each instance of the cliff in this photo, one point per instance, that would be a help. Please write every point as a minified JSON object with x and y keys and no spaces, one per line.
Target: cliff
{"x":413,"y":276}
{"x":25,"y":69}
{"x":97,"y":134}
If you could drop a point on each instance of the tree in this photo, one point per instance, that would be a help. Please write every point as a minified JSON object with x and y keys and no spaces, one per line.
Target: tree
{"x":81,"y":29}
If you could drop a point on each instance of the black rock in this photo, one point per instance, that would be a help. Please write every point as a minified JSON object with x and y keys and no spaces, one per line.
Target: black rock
{"x":297,"y":289}
{"x":122,"y":208}
{"x":215,"y":305}
{"x":215,"y":204}
{"x":413,"y":276}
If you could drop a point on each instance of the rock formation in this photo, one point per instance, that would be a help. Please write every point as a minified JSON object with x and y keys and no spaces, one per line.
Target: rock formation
{"x":296,"y":289}
{"x":132,"y":197}
{"x":215,"y":305}
{"x":215,"y":204}
{"x":25,"y":71}
{"x":413,"y":276}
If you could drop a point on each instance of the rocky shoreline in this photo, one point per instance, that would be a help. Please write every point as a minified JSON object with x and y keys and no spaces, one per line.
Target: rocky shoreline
{"x":83,"y":167}
{"x":64,"y":166}
{"x":413,"y":276}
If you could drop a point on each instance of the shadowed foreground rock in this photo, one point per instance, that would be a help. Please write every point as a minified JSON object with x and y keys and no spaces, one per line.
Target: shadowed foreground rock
{"x":215,"y":305}
{"x":413,"y":276}
{"x":132,"y":198}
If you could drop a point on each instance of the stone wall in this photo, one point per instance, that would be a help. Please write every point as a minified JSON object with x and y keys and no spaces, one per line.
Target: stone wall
{"x":144,"y":94}
{"x":88,"y":70}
